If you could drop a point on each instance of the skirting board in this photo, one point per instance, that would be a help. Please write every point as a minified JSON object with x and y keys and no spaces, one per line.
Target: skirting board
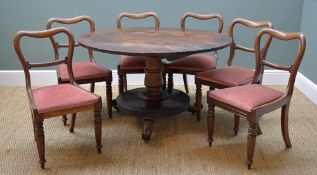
{"x":45,"y":77}
{"x":307,"y":87}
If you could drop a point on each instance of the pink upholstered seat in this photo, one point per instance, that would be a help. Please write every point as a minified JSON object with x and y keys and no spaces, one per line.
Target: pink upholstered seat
{"x":62,"y":96}
{"x":132,"y":62}
{"x":245,"y":97}
{"x":83,"y":70}
{"x":228,"y":76}
{"x":196,"y":62}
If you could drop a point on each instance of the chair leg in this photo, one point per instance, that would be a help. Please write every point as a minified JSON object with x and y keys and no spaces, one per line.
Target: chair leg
{"x":252,"y":132}
{"x":40,"y":141}
{"x":64,"y":119}
{"x":120,"y":82}
{"x":284,"y":124}
{"x":125,"y":82}
{"x":210,"y":123}
{"x":109,"y":98}
{"x":92,"y":87}
{"x":198,"y":101}
{"x":97,"y":122}
{"x":73,"y":121}
{"x":258,"y":129}
{"x":236,"y":124}
{"x":34,"y":130}
{"x":185,"y":83}
{"x":164,"y":81}
{"x":170,"y":83}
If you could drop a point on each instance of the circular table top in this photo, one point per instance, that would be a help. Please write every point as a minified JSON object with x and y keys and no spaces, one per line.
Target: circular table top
{"x":149,"y":42}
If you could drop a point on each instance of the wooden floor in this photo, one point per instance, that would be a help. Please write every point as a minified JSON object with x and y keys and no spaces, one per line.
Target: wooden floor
{"x":178,"y":144}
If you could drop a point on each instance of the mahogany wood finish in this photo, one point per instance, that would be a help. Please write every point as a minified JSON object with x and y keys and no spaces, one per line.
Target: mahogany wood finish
{"x":257,"y":112}
{"x":130,"y":69}
{"x":93,"y":78}
{"x":223,"y":82}
{"x":166,"y":42}
{"x":38,"y":116}
{"x":154,"y":45}
{"x":184,"y":69}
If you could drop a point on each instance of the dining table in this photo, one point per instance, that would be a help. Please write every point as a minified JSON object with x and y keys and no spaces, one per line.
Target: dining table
{"x":152,"y":101}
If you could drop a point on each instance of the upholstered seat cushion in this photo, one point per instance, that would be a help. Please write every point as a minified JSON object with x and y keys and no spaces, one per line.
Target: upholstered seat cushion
{"x":228,"y":76}
{"x":83,"y":70}
{"x":245,"y":97}
{"x":62,"y":96}
{"x":194,"y":63}
{"x":132,"y":62}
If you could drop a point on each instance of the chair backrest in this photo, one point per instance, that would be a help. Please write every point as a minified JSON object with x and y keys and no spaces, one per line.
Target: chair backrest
{"x":70,"y":21}
{"x":261,"y":61}
{"x":138,"y":16}
{"x":249,"y":24}
{"x":44,"y":34}
{"x":202,"y":17}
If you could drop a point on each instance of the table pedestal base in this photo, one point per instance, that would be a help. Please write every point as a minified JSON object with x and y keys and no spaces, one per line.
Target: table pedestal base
{"x":131,"y":102}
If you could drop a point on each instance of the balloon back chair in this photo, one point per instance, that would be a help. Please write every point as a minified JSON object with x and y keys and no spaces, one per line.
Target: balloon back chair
{"x":55,"y":100}
{"x":230,"y":75}
{"x":254,"y":100}
{"x":84,"y":71}
{"x":133,"y":64}
{"x":194,"y":63}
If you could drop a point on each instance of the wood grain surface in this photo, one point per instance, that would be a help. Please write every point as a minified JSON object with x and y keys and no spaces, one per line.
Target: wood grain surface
{"x":151,"y":42}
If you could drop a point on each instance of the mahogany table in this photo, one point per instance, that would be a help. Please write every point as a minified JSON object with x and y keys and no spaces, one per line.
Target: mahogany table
{"x":151,"y":101}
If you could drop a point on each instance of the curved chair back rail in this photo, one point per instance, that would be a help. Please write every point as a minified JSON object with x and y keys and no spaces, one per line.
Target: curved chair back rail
{"x":230,"y":76}
{"x":70,"y":21}
{"x":202,"y":17}
{"x":132,"y":64}
{"x":85,"y":71}
{"x":44,"y":34}
{"x":203,"y":62}
{"x":55,"y":100}
{"x":261,"y":61}
{"x":138,"y":16}
{"x":260,"y":99}
{"x":249,"y":24}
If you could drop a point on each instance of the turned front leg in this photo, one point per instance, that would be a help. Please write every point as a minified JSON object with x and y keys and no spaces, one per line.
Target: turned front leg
{"x":252,"y":132}
{"x":198,"y":101}
{"x":97,"y":123}
{"x":210,"y":122}
{"x":109,"y":98}
{"x":40,"y":140}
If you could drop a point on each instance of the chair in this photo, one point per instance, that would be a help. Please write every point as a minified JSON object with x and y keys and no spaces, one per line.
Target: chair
{"x":254,"y":100}
{"x":133,"y":64}
{"x":84,"y":71}
{"x":194,"y":63}
{"x":230,"y":75}
{"x":55,"y":100}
